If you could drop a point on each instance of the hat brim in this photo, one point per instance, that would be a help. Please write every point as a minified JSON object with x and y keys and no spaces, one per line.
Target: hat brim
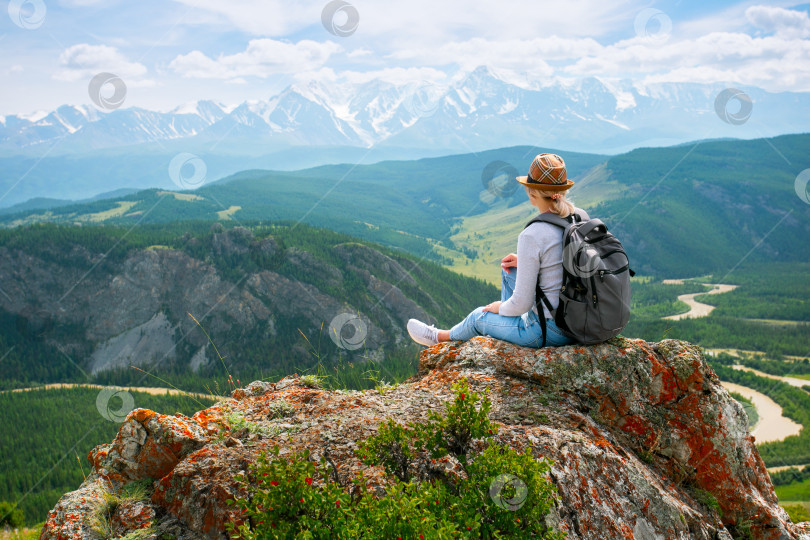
{"x":544,"y":187}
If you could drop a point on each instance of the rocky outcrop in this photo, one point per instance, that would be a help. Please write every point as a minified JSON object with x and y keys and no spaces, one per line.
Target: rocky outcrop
{"x":645,"y":442}
{"x":133,"y":309}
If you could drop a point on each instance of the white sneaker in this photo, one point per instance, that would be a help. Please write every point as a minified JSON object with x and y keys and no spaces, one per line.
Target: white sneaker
{"x":422,"y":333}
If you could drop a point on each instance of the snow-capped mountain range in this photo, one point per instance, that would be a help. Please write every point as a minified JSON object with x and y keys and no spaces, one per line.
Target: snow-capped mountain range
{"x":477,"y":112}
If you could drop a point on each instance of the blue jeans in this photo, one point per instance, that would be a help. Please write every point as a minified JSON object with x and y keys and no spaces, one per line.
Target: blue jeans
{"x":524,"y":330}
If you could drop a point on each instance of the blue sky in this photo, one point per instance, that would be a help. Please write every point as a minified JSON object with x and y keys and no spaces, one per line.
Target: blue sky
{"x":170,"y":52}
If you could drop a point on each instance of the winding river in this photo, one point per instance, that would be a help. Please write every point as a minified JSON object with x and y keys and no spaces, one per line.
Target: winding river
{"x":772,"y":426}
{"x":697,"y":309}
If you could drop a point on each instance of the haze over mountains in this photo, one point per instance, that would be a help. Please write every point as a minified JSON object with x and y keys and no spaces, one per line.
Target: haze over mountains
{"x":738,"y":197}
{"x":87,"y":151}
{"x":480,"y":111}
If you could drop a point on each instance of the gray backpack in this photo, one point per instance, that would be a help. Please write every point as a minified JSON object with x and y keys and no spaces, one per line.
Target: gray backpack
{"x":595,"y":295}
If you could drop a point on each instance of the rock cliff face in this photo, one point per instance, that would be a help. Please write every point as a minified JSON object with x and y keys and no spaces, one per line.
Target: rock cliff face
{"x":640,"y":435}
{"x":110,"y":312}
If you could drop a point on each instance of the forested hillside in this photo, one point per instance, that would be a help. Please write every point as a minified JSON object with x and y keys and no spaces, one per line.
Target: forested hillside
{"x":191,"y":303}
{"x":707,"y":207}
{"x":85,"y":303}
{"x":60,"y":427}
{"x":407,"y":204}
{"x":681,"y":211}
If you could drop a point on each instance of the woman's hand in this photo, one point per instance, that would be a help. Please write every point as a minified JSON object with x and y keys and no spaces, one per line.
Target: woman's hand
{"x":494,"y":307}
{"x":508,"y":262}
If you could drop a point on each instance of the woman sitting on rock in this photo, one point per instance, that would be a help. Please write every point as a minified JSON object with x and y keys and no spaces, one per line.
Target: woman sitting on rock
{"x":539,"y":252}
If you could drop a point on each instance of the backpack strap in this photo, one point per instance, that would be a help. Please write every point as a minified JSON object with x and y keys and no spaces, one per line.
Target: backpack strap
{"x":590,"y":226}
{"x":539,"y":296}
{"x":555,"y":219}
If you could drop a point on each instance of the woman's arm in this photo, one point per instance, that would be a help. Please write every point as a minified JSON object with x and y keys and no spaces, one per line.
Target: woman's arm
{"x":528,"y":266}
{"x":510,"y":261}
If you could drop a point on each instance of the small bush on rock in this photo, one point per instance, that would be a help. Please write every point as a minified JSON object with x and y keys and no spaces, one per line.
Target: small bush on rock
{"x":462,"y":423}
{"x":310,"y":381}
{"x":100,"y":521}
{"x":498,"y":493}
{"x":390,"y":449}
{"x":279,"y":409}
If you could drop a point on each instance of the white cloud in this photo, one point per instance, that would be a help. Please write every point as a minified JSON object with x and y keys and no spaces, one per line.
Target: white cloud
{"x":521,"y":41}
{"x":772,"y":62}
{"x":359,"y":53}
{"x":262,"y":58}
{"x":84,"y":61}
{"x":80,"y":3}
{"x":142,"y":83}
{"x":431,"y":23}
{"x":504,"y":52}
{"x":428,"y":20}
{"x":523,"y":62}
{"x":262,"y":17}
{"x":245,"y":49}
{"x":783,"y":22}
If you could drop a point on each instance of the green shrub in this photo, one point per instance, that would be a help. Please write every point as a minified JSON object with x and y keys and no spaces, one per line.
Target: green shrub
{"x":708,"y":500}
{"x":310,"y":381}
{"x":100,"y":520}
{"x":500,"y":492}
{"x":462,"y":423}
{"x":797,"y":512}
{"x":280,"y":408}
{"x":10,"y":515}
{"x":390,"y":449}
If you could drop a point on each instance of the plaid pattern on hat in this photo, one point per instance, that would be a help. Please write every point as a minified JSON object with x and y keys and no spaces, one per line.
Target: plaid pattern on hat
{"x":547,"y":172}
{"x":547,"y":169}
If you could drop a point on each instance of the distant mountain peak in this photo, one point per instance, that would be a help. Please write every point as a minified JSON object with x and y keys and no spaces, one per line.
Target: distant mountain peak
{"x":203,"y":108}
{"x":483,"y":71}
{"x":35,"y":116}
{"x":477,"y":110}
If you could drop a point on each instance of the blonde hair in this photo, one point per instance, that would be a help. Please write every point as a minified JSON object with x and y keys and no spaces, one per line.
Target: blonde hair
{"x":561,"y":206}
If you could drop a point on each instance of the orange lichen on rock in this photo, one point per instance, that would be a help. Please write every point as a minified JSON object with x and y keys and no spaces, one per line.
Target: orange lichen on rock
{"x":627,"y":424}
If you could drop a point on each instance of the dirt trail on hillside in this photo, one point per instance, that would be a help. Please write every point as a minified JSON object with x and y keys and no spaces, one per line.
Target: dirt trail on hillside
{"x":155,"y":391}
{"x":740,"y":352}
{"x":786,"y":467}
{"x":697,"y":309}
{"x":772,"y":426}
{"x":792,"y":381}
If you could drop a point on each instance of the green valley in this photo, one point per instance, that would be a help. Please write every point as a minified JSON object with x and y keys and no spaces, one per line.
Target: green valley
{"x":263,"y":274}
{"x":736,"y":197}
